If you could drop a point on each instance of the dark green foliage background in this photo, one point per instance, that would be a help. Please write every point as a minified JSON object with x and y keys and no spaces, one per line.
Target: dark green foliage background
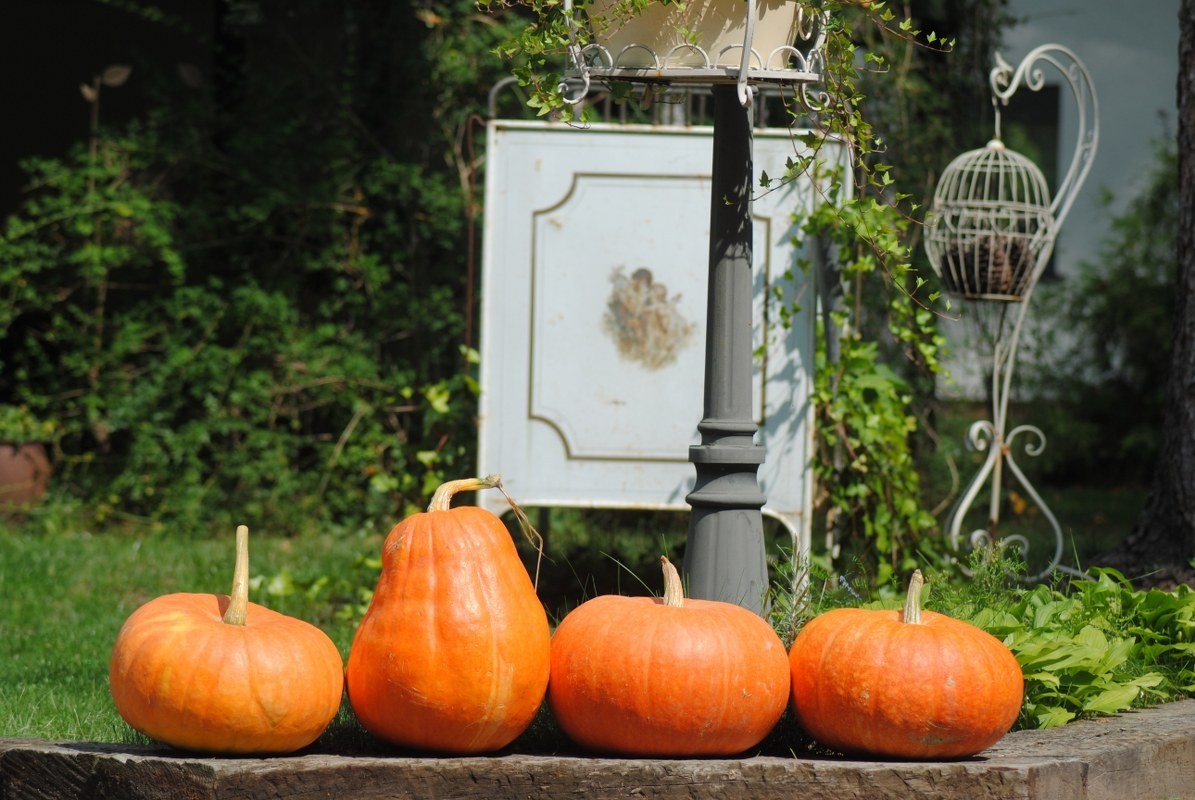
{"x":253,"y":297}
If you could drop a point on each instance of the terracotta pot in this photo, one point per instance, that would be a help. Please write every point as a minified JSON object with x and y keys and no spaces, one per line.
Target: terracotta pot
{"x":716,"y":24}
{"x":24,"y":474}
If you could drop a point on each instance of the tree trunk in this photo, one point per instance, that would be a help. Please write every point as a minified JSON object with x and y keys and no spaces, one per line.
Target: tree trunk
{"x":1162,"y":544}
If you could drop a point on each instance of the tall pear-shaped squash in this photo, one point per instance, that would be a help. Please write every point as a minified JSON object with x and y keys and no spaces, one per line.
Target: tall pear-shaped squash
{"x":453,"y":653}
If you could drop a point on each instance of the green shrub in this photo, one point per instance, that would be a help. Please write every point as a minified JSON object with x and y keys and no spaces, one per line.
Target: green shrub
{"x":251,"y":300}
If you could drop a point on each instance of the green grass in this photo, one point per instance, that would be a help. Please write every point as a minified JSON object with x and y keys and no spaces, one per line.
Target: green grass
{"x":66,"y":592}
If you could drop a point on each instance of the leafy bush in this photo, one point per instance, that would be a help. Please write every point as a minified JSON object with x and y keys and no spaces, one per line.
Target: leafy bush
{"x":251,"y":299}
{"x":1088,"y":647}
{"x":1099,"y":649}
{"x":869,"y":486}
{"x":872,"y":489}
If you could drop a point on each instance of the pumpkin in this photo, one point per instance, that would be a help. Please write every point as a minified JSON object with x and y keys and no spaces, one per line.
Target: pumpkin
{"x":911,"y":684}
{"x":667,"y":676}
{"x":216,"y":673}
{"x":453,"y":653}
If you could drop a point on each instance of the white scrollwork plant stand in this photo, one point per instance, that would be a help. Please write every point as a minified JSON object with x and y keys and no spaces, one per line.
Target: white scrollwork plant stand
{"x":990,"y":234}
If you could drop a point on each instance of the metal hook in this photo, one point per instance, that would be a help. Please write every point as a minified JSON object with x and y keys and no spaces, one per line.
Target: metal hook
{"x":745,"y":93}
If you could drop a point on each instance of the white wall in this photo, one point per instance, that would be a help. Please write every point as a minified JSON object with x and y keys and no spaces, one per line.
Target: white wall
{"x":1131,"y":51}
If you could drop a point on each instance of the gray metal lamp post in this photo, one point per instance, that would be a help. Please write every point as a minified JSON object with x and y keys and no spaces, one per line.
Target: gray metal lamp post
{"x":725,"y":557}
{"x":725,"y":552}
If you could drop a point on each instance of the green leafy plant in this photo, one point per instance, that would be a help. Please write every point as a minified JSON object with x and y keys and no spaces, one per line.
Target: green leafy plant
{"x":869,"y":485}
{"x":1091,"y":647}
{"x":869,"y":492}
{"x":1087,"y":648}
{"x":1082,"y":653}
{"x":251,"y":297}
{"x":868,"y":479}
{"x":19,"y":425}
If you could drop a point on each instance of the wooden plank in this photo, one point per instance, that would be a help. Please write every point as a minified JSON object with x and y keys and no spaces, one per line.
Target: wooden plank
{"x":1145,"y":754}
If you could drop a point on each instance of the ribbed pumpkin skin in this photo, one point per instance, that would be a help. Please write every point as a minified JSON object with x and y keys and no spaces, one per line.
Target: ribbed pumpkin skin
{"x":633,"y":676}
{"x":453,"y":653}
{"x":183,"y":677}
{"x":866,"y":683}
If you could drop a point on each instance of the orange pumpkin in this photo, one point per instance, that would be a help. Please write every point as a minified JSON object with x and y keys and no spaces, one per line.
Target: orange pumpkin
{"x":648,"y":676}
{"x":911,"y":684}
{"x":216,"y":673}
{"x":452,"y":654}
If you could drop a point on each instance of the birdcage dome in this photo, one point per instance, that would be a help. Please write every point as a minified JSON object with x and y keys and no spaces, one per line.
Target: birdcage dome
{"x":991,"y":224}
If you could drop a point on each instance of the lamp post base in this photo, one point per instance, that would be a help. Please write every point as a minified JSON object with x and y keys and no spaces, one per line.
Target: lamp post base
{"x":725,"y":551}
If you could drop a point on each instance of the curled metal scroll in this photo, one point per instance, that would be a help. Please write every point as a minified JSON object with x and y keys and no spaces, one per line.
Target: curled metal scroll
{"x":984,"y":435}
{"x":1005,"y":80}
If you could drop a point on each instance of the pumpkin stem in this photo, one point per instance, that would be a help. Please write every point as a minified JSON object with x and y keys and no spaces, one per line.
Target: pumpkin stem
{"x":674,"y":590}
{"x":238,"y":605}
{"x":442,"y":501}
{"x":912,"y":615}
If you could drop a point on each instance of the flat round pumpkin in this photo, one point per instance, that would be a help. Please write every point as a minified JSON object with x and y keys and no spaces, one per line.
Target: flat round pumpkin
{"x":218,"y":674}
{"x":903,"y":684}
{"x":669,"y":676}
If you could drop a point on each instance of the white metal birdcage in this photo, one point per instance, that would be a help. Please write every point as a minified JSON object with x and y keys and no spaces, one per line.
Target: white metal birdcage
{"x":992,"y":225}
{"x":989,"y":235}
